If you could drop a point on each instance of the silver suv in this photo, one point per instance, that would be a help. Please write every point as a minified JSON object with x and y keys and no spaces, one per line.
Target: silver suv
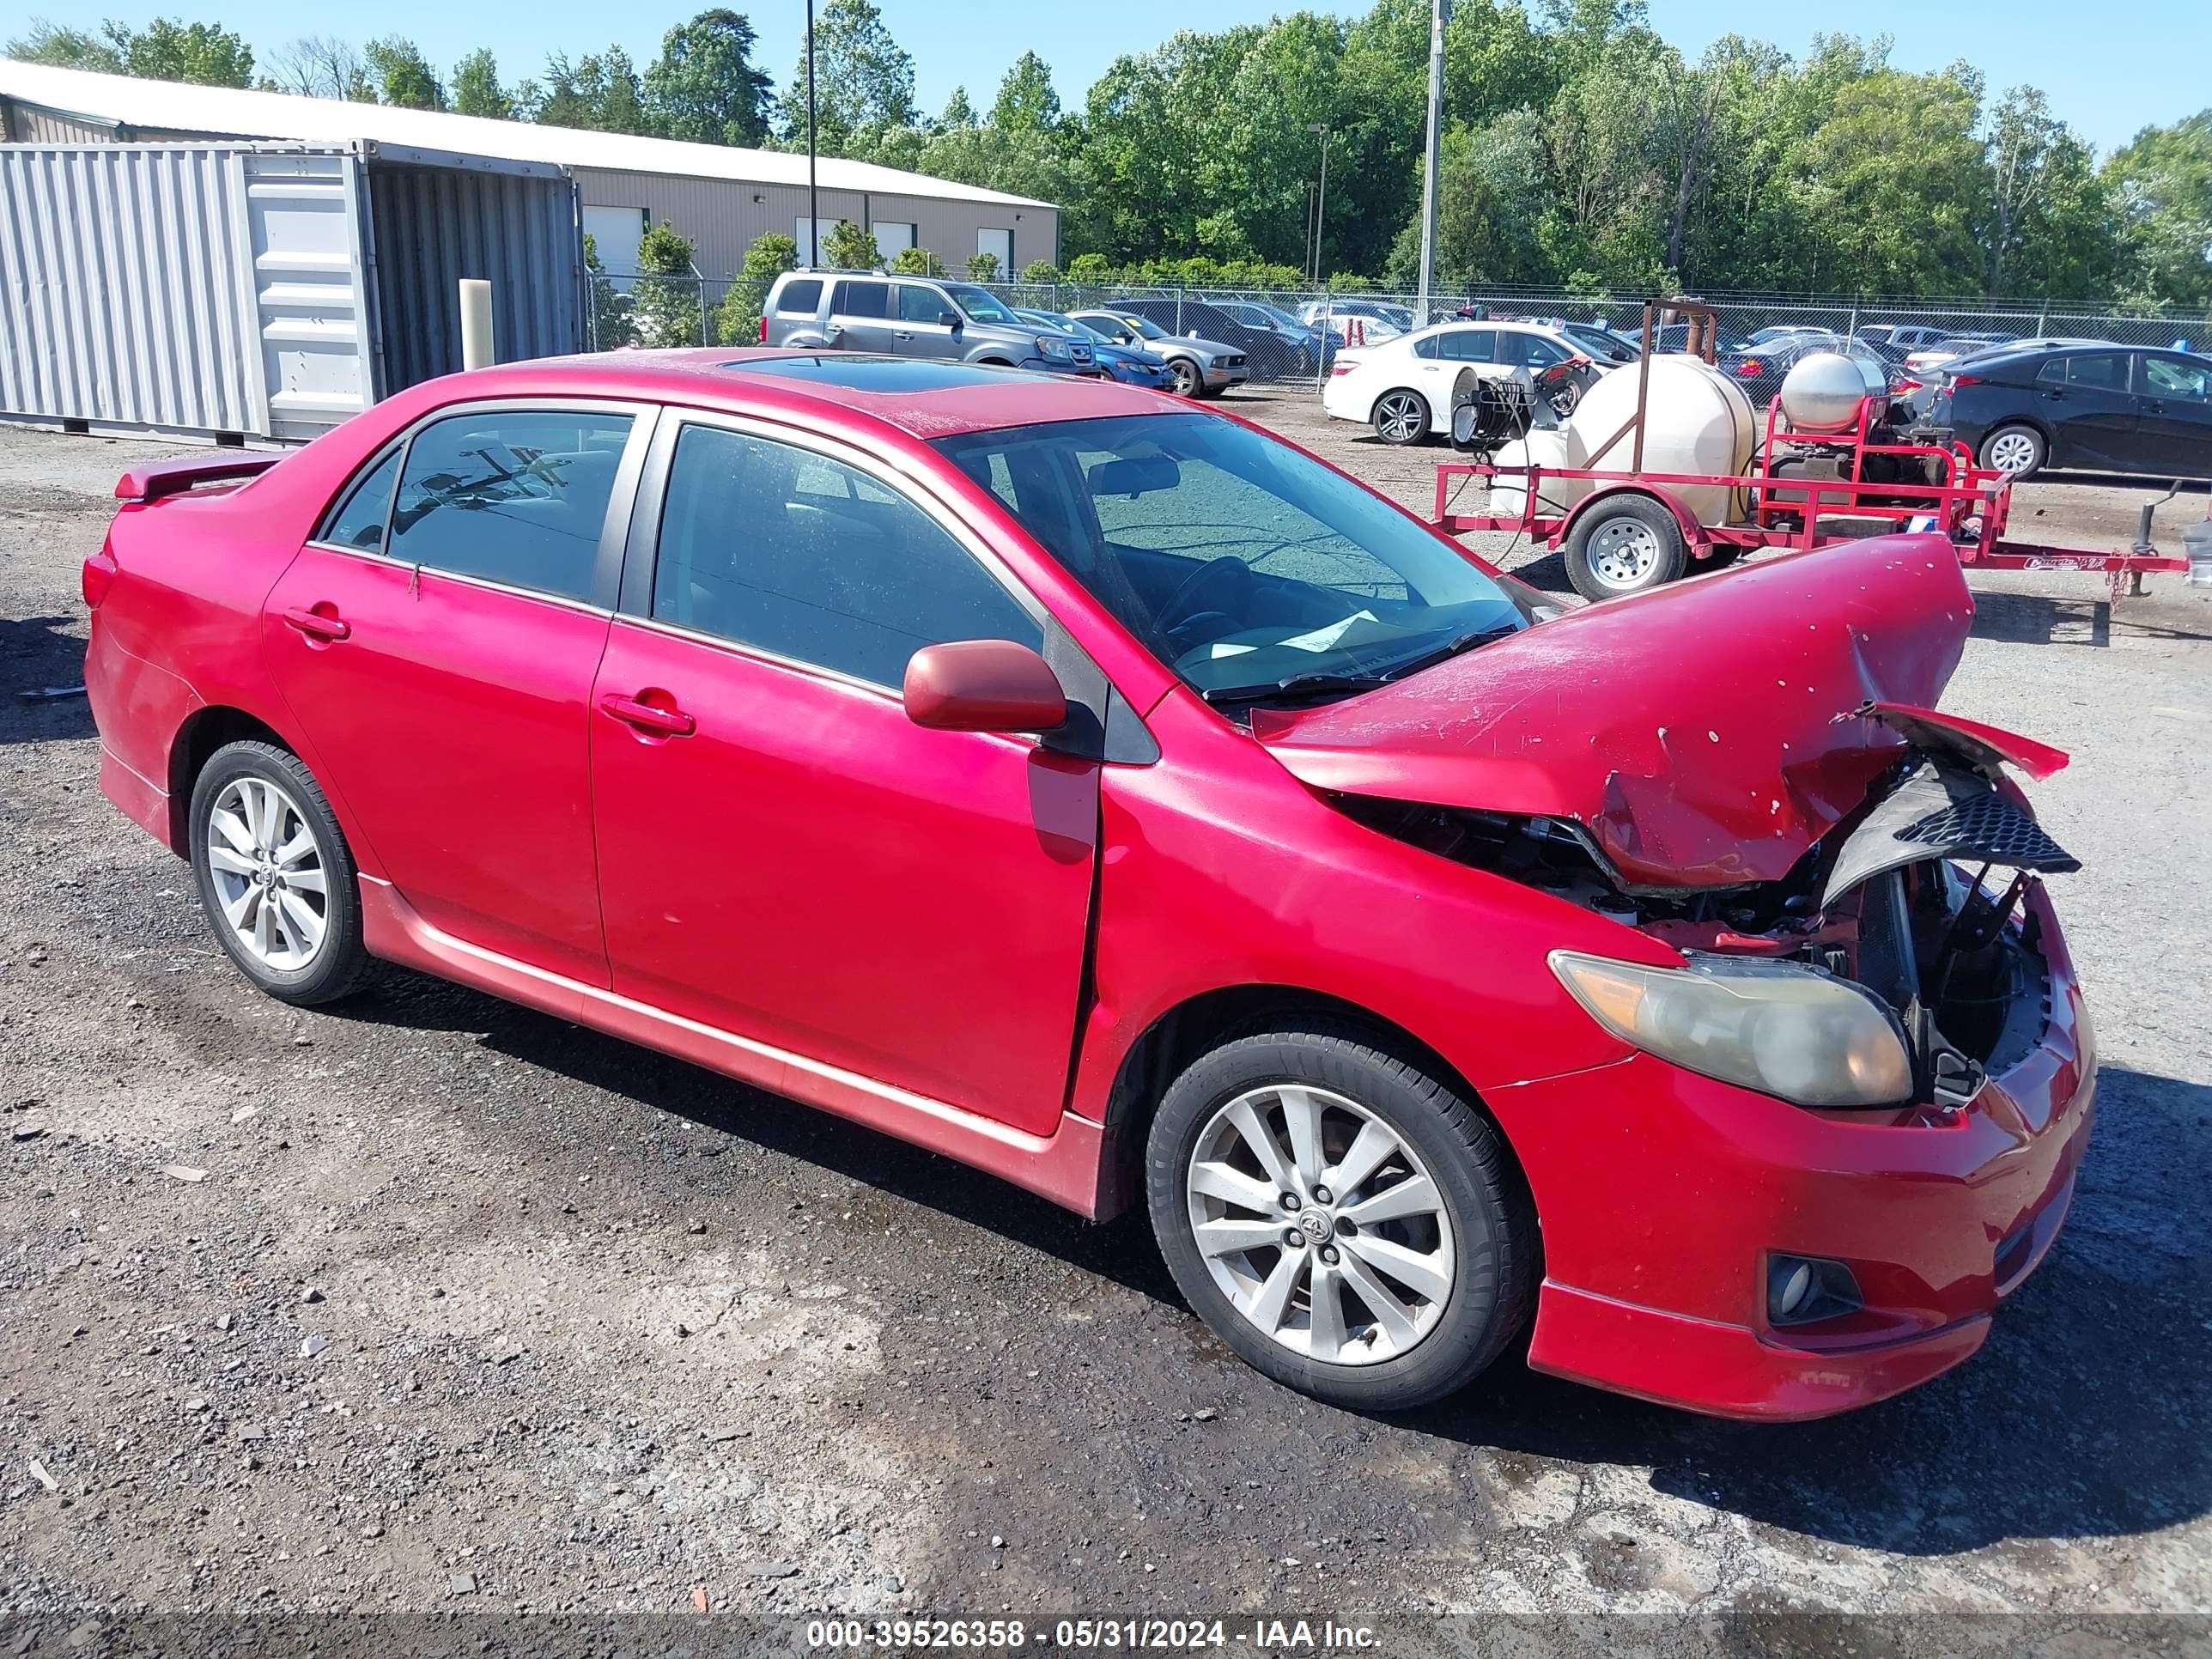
{"x":912,"y":317}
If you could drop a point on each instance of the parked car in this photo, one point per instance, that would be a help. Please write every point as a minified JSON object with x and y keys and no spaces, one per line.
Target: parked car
{"x":1196,"y":368}
{"x":912,"y":317}
{"x":1953,"y":346}
{"x":1675,"y":337}
{"x":1759,"y":370}
{"x":1600,"y":344}
{"x":1772,"y":332}
{"x":1917,"y":389}
{"x":1362,"y":321}
{"x":2105,"y":407}
{"x":1907,"y":337}
{"x":1269,"y":354}
{"x":1403,"y":387}
{"x":1306,"y":341}
{"x":1128,"y":364}
{"x":1106,"y":794}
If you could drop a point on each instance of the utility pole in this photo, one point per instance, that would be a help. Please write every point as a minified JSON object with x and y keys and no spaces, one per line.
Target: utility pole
{"x":1439,"y":14}
{"x":1321,"y":201}
{"x":813,"y":207}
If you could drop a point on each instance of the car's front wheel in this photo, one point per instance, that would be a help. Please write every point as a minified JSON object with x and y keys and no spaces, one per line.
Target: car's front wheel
{"x":1350,"y":1225}
{"x":274,"y":875}
{"x":1183,"y":378}
{"x":1401,"y":417}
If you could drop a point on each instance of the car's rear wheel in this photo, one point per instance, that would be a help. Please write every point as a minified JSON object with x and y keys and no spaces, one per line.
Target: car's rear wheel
{"x":1345,"y":1222}
{"x":274,"y":875}
{"x":1401,"y":417}
{"x":2018,"y":451}
{"x":1183,"y":378}
{"x":1623,"y":546}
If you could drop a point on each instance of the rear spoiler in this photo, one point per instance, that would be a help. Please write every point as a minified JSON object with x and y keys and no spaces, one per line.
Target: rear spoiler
{"x":151,"y":482}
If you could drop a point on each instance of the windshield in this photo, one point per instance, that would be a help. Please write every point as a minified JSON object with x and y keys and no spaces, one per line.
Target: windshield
{"x":1147,"y":328}
{"x":1253,"y":571}
{"x":981,"y":305}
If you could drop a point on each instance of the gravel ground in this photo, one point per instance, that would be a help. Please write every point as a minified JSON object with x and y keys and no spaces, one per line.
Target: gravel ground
{"x":430,"y":1303}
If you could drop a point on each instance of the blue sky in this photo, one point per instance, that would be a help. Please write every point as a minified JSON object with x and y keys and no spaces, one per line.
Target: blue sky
{"x":2108,"y":72}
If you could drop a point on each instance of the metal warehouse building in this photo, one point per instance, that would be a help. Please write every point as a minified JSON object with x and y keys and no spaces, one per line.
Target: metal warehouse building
{"x":151,"y":231}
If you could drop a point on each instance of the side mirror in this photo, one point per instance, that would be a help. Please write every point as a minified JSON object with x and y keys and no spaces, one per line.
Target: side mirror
{"x":948,"y":320}
{"x":983,"y":685}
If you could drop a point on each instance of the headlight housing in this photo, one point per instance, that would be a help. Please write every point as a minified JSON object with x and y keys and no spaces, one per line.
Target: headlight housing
{"x":1779,"y":1027}
{"x":1051,"y":345}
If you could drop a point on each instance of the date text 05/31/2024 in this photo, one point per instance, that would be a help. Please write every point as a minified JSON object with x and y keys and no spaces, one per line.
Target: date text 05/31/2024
{"x":1254,"y":1635}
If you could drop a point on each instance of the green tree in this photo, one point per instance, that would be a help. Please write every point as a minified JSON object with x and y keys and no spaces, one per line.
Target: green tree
{"x":476,"y":88}
{"x":167,"y":49}
{"x":982,"y":267}
{"x":402,"y":74}
{"x":737,"y":320}
{"x":849,"y":247}
{"x":1026,"y":102}
{"x":862,"y":77}
{"x":704,"y":86}
{"x":2051,"y":228}
{"x":600,"y":90}
{"x":958,"y":112}
{"x":2162,"y":185}
{"x":667,"y":301}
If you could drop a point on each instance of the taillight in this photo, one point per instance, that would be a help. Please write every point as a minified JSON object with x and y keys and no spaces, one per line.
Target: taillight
{"x":763,"y":329}
{"x":1957,"y":381}
{"x":97,"y":576}
{"x":1747,"y":367}
{"x":1905,"y":384}
{"x":1335,"y":369}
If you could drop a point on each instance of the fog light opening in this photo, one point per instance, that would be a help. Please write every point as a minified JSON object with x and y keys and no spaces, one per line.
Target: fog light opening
{"x":1804,"y":1290}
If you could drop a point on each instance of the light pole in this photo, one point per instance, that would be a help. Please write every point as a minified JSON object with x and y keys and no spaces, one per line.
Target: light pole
{"x":1439,"y":14}
{"x":1321,"y":200}
{"x":813,"y":207}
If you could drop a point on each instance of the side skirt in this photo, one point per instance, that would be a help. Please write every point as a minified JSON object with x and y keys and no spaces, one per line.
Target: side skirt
{"x":1065,"y":1166}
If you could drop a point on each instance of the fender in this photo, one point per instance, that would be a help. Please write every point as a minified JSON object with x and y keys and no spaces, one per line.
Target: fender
{"x":1693,"y":533}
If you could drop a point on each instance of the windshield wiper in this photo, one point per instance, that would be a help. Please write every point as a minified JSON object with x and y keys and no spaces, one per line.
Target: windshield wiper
{"x":1449,"y":649}
{"x":1294,"y":685}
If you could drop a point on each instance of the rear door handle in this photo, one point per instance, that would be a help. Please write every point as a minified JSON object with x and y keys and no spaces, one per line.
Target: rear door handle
{"x":662,"y":722}
{"x":316,"y":626}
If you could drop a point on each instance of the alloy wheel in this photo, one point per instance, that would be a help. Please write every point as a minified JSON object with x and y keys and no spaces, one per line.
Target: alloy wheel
{"x":271,"y":878}
{"x":1623,"y":554}
{"x":1320,"y":1224}
{"x":1400,"y":417}
{"x":1184,"y":378}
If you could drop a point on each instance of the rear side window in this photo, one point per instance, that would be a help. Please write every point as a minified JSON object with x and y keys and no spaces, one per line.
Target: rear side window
{"x":792,"y":553}
{"x":358,"y":521}
{"x":516,"y":498}
{"x":860,"y":300}
{"x":1470,"y":345}
{"x":800,"y":299}
{"x":2106,"y":371}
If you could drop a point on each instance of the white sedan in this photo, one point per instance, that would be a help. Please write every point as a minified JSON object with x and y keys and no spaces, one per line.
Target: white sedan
{"x":1403,"y":387}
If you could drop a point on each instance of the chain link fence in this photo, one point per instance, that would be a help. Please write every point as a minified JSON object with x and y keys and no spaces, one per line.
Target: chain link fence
{"x":1289,"y":336}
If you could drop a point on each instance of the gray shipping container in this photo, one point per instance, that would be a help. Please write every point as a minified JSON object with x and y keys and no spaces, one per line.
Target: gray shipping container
{"x":266,"y":290}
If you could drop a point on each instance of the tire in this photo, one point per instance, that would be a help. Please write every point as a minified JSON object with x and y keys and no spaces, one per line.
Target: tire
{"x":1184,"y":378}
{"x":246,"y":782}
{"x":1630,"y":544}
{"x":2017,"y":451}
{"x":1405,"y":1347}
{"x":1400,"y":417}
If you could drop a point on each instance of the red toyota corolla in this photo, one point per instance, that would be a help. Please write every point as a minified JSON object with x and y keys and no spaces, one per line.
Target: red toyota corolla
{"x":1115,"y":797}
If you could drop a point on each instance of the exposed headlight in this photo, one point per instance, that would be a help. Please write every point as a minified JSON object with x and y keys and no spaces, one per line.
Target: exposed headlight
{"x":1051,"y":345}
{"x":1778,"y":1027}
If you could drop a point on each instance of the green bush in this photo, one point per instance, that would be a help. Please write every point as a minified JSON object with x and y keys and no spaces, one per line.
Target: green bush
{"x":610,"y":310}
{"x":737,"y":319}
{"x":1041,"y":270}
{"x":917,"y":262}
{"x":983,"y":268}
{"x":849,"y":247}
{"x":667,"y":301}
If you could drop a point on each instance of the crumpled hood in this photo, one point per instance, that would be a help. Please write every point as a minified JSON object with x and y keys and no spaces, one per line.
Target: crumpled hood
{"x":1704,"y":734}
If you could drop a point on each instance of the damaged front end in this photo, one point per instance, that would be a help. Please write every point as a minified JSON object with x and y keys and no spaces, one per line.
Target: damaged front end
{"x":1894,"y":964}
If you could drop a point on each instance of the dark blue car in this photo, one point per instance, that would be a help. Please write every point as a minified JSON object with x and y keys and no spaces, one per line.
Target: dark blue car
{"x":1124,"y":364}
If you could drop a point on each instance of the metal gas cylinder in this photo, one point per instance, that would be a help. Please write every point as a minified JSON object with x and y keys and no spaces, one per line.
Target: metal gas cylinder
{"x":1822,"y":392}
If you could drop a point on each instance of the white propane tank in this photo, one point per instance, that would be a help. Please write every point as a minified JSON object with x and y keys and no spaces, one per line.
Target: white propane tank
{"x":1547,"y":447}
{"x":1695,"y":420}
{"x":1822,"y":392}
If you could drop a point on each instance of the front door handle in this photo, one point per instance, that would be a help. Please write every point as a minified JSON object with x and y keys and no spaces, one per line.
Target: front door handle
{"x":902,"y":334}
{"x":316,"y":625}
{"x":646,"y":717}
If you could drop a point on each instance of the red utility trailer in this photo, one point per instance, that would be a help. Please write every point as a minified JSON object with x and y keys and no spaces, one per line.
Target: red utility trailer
{"x":1803,"y":490}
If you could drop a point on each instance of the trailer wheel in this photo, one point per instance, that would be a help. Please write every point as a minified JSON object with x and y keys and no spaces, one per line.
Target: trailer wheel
{"x":1625,"y":546}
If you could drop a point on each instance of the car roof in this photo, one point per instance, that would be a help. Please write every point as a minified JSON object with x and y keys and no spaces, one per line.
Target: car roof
{"x":923,"y":398}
